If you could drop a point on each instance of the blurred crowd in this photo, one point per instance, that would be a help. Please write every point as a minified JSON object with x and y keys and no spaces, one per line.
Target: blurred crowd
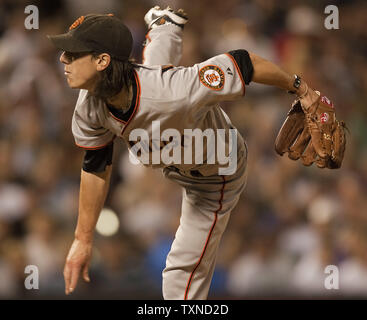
{"x":291,"y":222}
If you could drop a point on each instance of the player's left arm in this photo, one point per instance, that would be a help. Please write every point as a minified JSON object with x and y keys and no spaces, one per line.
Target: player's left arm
{"x":267,"y":72}
{"x":228,"y":75}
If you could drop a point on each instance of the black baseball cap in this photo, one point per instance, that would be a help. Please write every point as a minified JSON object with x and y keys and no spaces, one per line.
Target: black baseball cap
{"x":98,"y":33}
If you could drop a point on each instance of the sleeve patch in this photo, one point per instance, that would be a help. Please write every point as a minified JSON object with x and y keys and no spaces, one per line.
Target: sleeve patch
{"x":212,"y":77}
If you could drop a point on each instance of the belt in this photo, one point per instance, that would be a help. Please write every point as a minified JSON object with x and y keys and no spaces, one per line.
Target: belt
{"x":194,"y":173}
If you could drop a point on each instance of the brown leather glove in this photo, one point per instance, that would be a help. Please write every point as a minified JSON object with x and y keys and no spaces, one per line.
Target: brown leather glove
{"x":312,"y":133}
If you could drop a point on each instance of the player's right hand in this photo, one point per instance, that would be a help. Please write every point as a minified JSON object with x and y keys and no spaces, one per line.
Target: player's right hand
{"x":77,"y":261}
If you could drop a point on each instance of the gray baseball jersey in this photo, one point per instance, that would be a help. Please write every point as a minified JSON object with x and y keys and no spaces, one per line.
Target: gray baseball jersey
{"x":178,"y":99}
{"x":166,"y":98}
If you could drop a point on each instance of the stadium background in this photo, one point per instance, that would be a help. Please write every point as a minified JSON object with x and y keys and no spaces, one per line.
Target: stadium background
{"x":290,"y":223}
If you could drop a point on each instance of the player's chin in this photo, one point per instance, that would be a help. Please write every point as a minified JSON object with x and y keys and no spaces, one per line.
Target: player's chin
{"x":73,"y":84}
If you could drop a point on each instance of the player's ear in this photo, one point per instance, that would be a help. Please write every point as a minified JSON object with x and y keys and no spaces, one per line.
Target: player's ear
{"x":102,"y":61}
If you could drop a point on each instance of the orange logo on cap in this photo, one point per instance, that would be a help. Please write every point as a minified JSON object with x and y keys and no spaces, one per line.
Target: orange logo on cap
{"x":77,"y":22}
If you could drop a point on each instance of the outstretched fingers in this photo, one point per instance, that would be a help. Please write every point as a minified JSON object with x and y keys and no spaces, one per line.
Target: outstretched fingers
{"x":71,"y":276}
{"x":86,"y":273}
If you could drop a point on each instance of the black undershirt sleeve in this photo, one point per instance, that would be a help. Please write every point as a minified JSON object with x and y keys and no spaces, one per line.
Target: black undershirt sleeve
{"x":98,"y":160}
{"x":244,"y":63}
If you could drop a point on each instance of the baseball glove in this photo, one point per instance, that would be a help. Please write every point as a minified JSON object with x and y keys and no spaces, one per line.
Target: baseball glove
{"x":312,"y":132}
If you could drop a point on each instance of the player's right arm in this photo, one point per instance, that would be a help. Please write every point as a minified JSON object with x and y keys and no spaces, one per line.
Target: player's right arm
{"x":93,"y":190}
{"x":97,"y":142}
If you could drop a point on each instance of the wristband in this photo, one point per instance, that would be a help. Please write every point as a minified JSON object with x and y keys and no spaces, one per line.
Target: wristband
{"x":296,"y":84}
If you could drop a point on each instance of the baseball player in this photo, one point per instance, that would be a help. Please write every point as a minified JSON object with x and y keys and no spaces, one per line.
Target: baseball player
{"x":118,"y":98}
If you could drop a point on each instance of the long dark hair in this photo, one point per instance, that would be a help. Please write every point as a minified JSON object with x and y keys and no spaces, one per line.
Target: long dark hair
{"x":118,"y":75}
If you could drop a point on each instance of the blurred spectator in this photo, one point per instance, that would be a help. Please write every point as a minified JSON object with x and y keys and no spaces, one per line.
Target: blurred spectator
{"x":353,"y":270}
{"x":309,"y":275}
{"x":263,"y":270}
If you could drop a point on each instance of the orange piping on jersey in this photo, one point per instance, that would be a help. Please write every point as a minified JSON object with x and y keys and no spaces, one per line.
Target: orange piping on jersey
{"x":96,"y":148}
{"x":137,"y":103}
{"x":166,"y":67}
{"x":148,"y":39}
{"x":119,"y":120}
{"x":238,"y":71}
{"x":207,"y":239}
